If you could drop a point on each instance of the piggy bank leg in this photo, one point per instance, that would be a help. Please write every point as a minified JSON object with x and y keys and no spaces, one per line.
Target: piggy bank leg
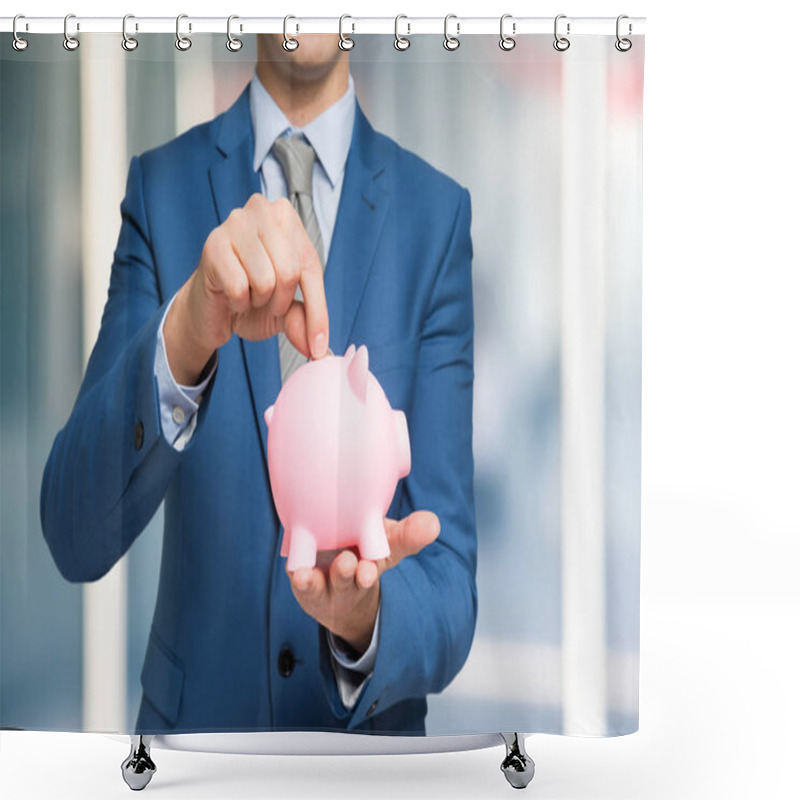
{"x":302,"y":549}
{"x":372,"y":543}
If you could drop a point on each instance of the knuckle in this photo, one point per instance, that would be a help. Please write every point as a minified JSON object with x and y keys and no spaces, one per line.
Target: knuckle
{"x":257,"y":206}
{"x":236,"y":217}
{"x":262,"y":289}
{"x":256,"y":201}
{"x":240,"y":291}
{"x":214,"y":245}
{"x":268,"y":282}
{"x":237,"y":285}
{"x":215,"y":238}
{"x":283,"y":208}
{"x":240,"y":222}
{"x":288,"y":271}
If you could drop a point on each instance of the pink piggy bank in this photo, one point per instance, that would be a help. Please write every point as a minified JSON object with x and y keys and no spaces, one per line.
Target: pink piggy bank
{"x":336,"y":451}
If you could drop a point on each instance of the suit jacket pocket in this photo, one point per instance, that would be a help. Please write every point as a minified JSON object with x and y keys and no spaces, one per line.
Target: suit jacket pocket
{"x":162,"y":678}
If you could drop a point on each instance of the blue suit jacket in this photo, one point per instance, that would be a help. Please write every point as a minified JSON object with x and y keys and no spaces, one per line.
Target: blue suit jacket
{"x":398,"y":278}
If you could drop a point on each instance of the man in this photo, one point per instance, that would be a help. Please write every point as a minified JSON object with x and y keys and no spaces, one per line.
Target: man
{"x":203,"y":323}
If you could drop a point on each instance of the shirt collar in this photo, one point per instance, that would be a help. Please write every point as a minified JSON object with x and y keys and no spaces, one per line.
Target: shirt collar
{"x":329,"y":133}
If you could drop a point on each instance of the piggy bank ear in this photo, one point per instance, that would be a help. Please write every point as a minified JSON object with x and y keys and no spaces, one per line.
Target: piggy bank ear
{"x":268,"y":415}
{"x":349,"y":353}
{"x":358,"y":372}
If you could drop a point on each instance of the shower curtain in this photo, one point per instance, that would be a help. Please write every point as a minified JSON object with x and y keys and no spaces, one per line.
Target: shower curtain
{"x":478,"y":213}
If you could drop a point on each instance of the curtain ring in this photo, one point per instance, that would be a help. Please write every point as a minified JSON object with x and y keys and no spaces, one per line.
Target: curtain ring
{"x":345,"y":42}
{"x":400,"y":42}
{"x":289,"y":44}
{"x":19,"y":44}
{"x":233,"y":44}
{"x":623,"y":44}
{"x":451,"y":42}
{"x":561,"y":43}
{"x":183,"y":43}
{"x":507,"y":42}
{"x":129,"y":43}
{"x":70,"y":42}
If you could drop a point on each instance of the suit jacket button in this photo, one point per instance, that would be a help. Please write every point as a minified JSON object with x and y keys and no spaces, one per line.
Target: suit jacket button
{"x":286,"y":662}
{"x":138,"y":435}
{"x":372,"y":708}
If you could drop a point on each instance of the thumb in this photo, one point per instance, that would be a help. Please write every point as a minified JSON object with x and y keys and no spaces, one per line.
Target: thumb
{"x":408,"y":536}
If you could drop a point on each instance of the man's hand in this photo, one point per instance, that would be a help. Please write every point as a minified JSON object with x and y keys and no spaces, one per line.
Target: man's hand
{"x":343,"y":595}
{"x":245,"y":284}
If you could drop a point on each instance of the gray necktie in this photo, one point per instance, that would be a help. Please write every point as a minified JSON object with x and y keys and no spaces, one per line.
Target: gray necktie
{"x":296,"y":158}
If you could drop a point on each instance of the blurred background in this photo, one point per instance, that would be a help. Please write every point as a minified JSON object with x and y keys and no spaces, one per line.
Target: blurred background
{"x":550,"y":150}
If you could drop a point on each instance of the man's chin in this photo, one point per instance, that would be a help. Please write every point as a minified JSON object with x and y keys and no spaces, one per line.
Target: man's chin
{"x":316,"y":56}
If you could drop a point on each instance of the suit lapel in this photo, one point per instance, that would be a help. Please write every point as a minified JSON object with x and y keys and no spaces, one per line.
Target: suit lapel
{"x":233,"y":180}
{"x":359,"y":221}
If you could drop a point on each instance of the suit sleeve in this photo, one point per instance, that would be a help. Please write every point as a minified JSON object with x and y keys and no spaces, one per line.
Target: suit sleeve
{"x":110,"y":465}
{"x":429,"y":601}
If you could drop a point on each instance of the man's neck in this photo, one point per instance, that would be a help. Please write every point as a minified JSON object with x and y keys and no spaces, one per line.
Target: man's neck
{"x":303,"y":100}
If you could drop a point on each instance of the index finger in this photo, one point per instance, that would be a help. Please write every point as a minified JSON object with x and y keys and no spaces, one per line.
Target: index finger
{"x":316,"y":309}
{"x":312,"y":285}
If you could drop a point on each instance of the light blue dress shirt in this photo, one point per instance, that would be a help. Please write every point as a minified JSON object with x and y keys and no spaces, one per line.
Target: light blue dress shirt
{"x":329,"y":134}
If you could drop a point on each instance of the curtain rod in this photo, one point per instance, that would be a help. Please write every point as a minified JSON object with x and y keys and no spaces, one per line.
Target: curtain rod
{"x":406,"y":26}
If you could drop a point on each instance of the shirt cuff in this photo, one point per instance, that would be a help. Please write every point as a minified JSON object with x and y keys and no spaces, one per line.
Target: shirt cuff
{"x":351,"y":672}
{"x":178,"y":404}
